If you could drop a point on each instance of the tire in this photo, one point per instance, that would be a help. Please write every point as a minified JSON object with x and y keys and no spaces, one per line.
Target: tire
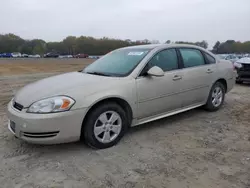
{"x":93,"y":125}
{"x":212,"y":106}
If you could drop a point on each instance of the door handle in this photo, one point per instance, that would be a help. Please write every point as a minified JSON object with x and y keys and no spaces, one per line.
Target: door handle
{"x":177,"y":77}
{"x":209,"y":71}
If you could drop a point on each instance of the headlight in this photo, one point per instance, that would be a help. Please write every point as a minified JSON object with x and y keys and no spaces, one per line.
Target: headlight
{"x":238,"y":65}
{"x":50,"y":105}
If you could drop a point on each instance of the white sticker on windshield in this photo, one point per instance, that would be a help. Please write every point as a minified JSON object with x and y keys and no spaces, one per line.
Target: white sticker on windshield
{"x":135,"y":53}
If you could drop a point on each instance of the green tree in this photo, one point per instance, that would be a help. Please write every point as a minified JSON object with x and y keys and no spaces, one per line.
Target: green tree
{"x":57,"y":47}
{"x":10,"y":43}
{"x":202,"y":44}
{"x":70,"y":43}
{"x":216,"y":47}
{"x":93,"y":46}
{"x":38,"y":46}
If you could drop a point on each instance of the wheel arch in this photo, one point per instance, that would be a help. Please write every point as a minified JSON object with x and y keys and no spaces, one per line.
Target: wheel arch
{"x":223,"y":81}
{"x":120,"y":101}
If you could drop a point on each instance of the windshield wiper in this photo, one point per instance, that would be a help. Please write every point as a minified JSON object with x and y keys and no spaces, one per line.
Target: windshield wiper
{"x":98,"y":73}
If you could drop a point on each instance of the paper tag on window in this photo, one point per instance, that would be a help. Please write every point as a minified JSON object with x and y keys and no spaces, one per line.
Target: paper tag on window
{"x":135,"y":53}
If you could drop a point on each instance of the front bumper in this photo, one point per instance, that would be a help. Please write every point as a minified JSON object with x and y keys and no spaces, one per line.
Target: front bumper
{"x":51,"y":128}
{"x":243,"y":75}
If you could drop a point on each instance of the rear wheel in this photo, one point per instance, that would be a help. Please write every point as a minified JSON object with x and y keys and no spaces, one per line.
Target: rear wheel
{"x":216,"y":97}
{"x":105,"y":126}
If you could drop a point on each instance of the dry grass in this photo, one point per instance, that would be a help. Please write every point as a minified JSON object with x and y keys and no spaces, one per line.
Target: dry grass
{"x":27,"y":66}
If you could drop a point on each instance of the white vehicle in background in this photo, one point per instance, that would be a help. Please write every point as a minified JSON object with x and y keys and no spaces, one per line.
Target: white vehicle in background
{"x":25,"y":55}
{"x":16,"y":54}
{"x":230,"y":57}
{"x":34,"y":56}
{"x":95,"y":57}
{"x":65,"y":56}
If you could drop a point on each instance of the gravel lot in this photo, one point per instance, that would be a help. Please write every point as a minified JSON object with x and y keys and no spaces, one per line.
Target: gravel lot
{"x":194,"y":149}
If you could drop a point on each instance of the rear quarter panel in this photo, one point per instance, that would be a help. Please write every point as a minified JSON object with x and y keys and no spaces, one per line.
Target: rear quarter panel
{"x":226,"y":71}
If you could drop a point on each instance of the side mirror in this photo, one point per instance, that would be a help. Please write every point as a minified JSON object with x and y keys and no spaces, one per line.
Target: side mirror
{"x":155,"y":71}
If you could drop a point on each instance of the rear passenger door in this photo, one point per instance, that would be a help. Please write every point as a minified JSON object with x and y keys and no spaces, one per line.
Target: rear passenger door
{"x":198,"y":75}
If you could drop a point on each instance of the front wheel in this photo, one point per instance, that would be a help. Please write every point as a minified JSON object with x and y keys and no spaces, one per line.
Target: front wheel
{"x":216,"y":97}
{"x":105,"y":126}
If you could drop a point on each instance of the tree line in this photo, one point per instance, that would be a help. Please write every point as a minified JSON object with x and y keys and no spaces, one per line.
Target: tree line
{"x":231,"y":46}
{"x":73,"y":45}
{"x":202,"y":44}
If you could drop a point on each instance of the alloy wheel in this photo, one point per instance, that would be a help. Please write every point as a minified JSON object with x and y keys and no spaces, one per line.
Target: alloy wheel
{"x":107,"y":126}
{"x":217,"y":96}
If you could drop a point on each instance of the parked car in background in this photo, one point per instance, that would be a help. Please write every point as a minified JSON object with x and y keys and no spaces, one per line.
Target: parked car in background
{"x":94,"y":57}
{"x":243,"y":70}
{"x":81,"y":56}
{"x":7,"y":55}
{"x":127,"y":87}
{"x":34,"y":56}
{"x":51,"y":55}
{"x":65,"y":56}
{"x":239,"y":56}
{"x":230,"y":57}
{"x":25,"y":55}
{"x":16,"y":54}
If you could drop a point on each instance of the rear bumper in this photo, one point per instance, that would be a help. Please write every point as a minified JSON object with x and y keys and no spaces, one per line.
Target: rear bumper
{"x":46,"y":128}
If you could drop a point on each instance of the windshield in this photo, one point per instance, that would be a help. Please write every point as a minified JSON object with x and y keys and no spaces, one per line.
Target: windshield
{"x":117,"y":63}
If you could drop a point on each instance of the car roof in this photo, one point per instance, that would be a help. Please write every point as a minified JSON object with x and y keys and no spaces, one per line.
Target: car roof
{"x":153,"y":46}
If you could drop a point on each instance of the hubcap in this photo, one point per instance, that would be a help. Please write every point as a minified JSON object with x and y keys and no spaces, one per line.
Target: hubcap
{"x":107,"y":127}
{"x":217,"y":96}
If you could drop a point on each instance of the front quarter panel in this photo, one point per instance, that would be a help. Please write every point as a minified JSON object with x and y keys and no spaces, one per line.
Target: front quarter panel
{"x":124,"y":89}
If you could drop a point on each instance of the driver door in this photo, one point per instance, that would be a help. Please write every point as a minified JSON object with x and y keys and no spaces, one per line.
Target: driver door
{"x":159,"y":95}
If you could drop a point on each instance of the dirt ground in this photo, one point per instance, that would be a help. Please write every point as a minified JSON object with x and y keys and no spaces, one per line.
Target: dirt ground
{"x":191,"y":150}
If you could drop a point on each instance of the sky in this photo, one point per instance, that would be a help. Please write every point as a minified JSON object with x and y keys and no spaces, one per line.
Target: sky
{"x":175,"y":20}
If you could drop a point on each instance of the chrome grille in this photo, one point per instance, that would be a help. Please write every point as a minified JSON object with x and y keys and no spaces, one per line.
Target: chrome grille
{"x":246,"y":67}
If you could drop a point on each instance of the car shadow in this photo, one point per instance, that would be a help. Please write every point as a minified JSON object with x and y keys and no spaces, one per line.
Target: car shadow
{"x":17,"y":147}
{"x":167,"y":121}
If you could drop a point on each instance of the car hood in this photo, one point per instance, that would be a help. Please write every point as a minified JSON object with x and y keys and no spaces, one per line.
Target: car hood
{"x":245,"y":60}
{"x":62,"y":84}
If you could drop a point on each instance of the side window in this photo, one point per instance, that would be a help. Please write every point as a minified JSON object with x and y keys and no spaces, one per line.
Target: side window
{"x":192,"y":57}
{"x":210,"y":59}
{"x":167,"y":60}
